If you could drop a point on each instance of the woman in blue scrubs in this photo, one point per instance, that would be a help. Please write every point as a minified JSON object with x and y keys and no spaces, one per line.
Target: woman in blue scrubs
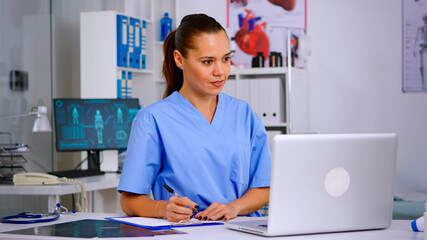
{"x":210,"y":148}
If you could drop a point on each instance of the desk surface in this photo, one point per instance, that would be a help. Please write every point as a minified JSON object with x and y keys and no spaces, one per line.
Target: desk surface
{"x":93,"y":183}
{"x":400,"y":229}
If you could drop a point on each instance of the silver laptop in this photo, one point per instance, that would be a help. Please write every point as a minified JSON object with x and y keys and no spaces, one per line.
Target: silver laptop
{"x":328,"y":183}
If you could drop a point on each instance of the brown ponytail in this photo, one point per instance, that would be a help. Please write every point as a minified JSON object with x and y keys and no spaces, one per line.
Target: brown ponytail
{"x":183,"y":39}
{"x":171,"y":72}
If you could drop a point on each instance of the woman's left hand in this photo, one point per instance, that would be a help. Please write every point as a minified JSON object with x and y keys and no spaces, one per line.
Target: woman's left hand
{"x":217,"y":211}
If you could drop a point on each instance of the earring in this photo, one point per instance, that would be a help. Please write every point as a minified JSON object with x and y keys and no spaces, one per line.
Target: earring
{"x":180,"y":67}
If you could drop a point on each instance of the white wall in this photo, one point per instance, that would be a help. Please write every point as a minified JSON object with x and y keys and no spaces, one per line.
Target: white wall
{"x":355,"y":81}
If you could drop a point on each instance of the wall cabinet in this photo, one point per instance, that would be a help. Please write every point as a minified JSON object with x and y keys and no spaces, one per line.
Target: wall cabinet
{"x":283,"y":106}
{"x":99,"y":70}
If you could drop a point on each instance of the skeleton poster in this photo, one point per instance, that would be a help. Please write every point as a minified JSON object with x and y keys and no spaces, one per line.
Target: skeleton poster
{"x":414,"y":46}
{"x":258,"y":30}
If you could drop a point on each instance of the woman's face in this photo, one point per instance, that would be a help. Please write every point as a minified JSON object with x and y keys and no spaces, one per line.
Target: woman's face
{"x":206,"y":68}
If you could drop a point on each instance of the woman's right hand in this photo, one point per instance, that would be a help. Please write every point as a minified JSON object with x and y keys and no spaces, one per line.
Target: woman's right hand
{"x":180,"y":208}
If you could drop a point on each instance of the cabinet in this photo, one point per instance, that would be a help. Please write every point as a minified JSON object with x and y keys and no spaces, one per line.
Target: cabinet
{"x":293,"y":101}
{"x":98,"y":46}
{"x":99,"y":70}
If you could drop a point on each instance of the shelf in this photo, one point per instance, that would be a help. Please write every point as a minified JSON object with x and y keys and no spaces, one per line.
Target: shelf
{"x":12,"y":159}
{"x":135,"y":70}
{"x":277,"y":127}
{"x":258,"y":71}
{"x":274,"y":125}
{"x":13,"y":148}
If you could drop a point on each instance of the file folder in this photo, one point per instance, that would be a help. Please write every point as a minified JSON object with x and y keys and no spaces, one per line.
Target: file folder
{"x":143,"y":44}
{"x":264,"y":100}
{"x":131,"y":43}
{"x":136,"y":59}
{"x":255,"y":96}
{"x":273,"y":100}
{"x":158,"y":224}
{"x":122,"y":41}
{"x":243,"y":90}
{"x":128,"y":93}
{"x":121,"y":84}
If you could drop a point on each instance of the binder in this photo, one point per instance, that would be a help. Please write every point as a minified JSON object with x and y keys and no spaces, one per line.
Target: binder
{"x":119,"y":84}
{"x":143,"y":45}
{"x":243,"y":89}
{"x":123,"y":92}
{"x":136,"y":59}
{"x":131,"y":43}
{"x":272,"y":103}
{"x":255,"y":98}
{"x":122,"y":41}
{"x":128,"y":93}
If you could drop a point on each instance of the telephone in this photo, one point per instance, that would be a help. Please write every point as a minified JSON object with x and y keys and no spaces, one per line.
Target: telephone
{"x":34,"y":178}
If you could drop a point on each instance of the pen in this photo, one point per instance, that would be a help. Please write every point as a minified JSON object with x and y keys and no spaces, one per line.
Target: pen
{"x":170,"y":190}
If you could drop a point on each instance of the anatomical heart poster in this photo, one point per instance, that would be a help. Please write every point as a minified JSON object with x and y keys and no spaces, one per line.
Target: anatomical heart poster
{"x":258,"y":31}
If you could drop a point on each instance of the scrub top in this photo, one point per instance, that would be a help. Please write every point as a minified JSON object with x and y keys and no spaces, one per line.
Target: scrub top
{"x":172,"y":142}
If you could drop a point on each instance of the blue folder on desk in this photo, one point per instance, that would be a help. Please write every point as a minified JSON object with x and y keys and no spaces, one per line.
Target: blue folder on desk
{"x":160,"y":223}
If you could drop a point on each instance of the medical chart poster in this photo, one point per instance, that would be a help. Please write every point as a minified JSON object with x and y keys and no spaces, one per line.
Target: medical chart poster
{"x":261,"y":26}
{"x":414,"y":46}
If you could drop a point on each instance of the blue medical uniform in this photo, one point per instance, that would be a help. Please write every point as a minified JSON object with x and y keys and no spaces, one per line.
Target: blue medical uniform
{"x":172,"y":142}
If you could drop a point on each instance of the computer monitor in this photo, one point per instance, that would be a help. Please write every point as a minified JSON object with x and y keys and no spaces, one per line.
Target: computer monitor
{"x":93,"y":125}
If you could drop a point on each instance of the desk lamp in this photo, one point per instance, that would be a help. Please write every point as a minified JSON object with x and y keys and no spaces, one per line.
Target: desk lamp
{"x":41,"y":123}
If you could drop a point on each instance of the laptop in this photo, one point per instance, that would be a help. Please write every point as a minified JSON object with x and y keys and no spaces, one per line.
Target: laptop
{"x":324,"y":183}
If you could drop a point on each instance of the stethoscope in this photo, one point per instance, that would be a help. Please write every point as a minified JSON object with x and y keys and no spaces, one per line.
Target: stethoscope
{"x":27,"y":217}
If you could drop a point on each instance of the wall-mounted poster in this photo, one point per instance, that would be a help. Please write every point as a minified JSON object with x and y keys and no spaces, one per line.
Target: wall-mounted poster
{"x":414,"y":46}
{"x":258,"y":30}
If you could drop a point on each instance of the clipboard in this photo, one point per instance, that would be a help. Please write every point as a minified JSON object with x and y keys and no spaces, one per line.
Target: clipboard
{"x":161,"y":223}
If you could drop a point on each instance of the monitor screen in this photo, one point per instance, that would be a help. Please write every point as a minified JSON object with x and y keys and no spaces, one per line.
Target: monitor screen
{"x":93,"y":124}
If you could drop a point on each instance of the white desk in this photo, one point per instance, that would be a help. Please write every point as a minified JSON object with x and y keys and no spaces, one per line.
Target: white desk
{"x":94,"y":183}
{"x":400,"y":229}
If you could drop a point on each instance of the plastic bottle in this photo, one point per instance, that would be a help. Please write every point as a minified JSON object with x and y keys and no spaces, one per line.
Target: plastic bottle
{"x":272,"y":59}
{"x":260,"y":56}
{"x":418,"y":224}
{"x":166,"y":26}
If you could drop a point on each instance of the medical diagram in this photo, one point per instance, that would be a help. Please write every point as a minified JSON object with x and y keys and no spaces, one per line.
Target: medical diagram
{"x":420,"y":49}
{"x":251,"y":37}
{"x":258,"y":29}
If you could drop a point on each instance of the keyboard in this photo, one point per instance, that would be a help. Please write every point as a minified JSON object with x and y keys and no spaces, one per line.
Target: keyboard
{"x":76,"y":173}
